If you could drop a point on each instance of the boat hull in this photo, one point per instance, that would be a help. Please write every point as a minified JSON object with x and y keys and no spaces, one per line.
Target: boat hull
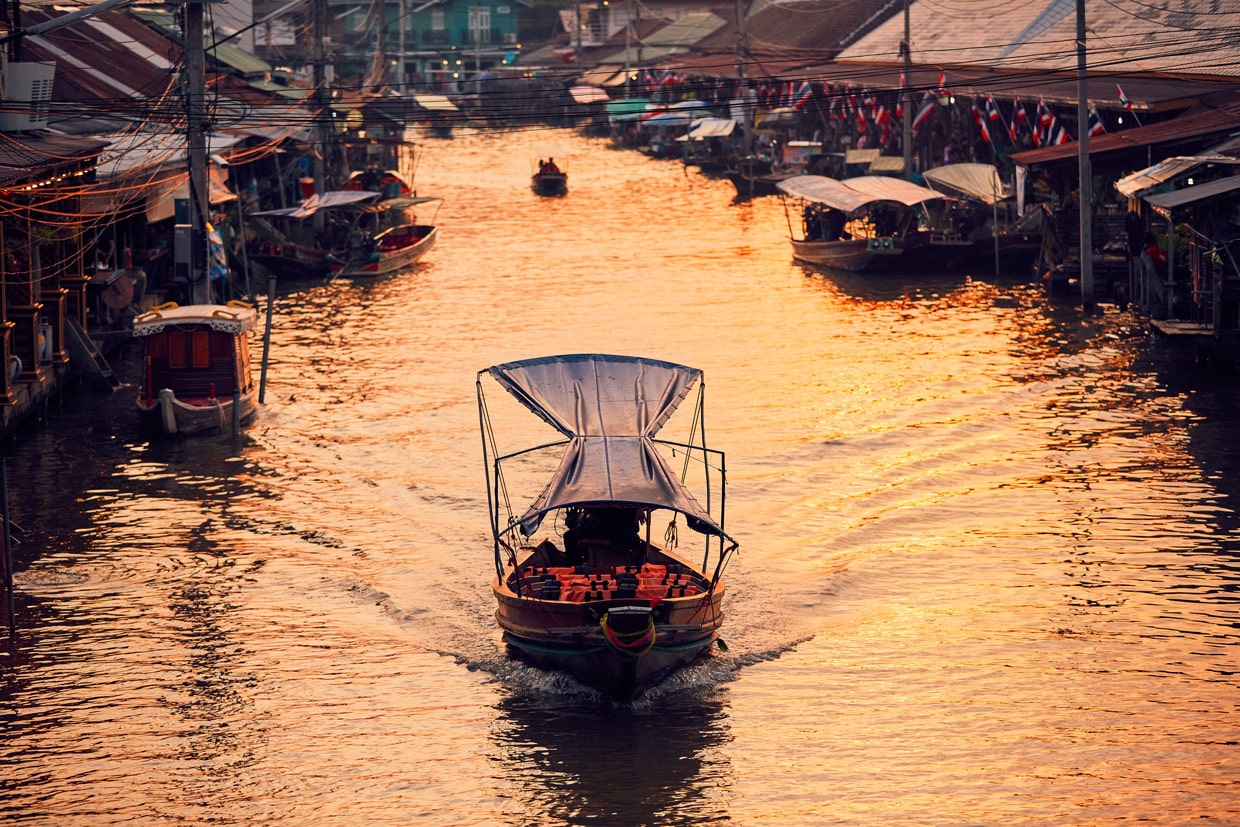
{"x":395,"y":249}
{"x":292,"y":261}
{"x":549,"y":183}
{"x":855,"y":255}
{"x":579,"y":638}
{"x":166,"y":414}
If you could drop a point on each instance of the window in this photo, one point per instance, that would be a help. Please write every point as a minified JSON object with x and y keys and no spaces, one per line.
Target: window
{"x":480,"y":24}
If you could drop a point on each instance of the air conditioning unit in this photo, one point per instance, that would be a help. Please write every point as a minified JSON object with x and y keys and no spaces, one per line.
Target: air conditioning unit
{"x":510,"y":37}
{"x":27,"y":93}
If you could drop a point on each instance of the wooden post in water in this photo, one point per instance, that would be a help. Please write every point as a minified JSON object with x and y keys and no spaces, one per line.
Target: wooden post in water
{"x":8,"y":549}
{"x":271,"y":300}
{"x":1086,"y":195}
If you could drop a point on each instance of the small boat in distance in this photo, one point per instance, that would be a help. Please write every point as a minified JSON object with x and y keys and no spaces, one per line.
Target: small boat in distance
{"x":196,"y":374}
{"x":580,"y":587}
{"x":549,"y":179}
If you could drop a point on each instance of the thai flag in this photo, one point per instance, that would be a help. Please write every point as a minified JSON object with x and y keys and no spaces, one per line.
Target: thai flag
{"x":1059,"y":134}
{"x":992,"y":110}
{"x":1019,"y":118}
{"x":804,"y":94}
{"x":1096,"y":126}
{"x":981,"y":122}
{"x":924,"y":113}
{"x":943,"y":90}
{"x":1123,"y":98}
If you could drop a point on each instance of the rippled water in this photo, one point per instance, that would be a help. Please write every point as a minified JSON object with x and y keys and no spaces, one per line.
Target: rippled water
{"x":988,"y":570}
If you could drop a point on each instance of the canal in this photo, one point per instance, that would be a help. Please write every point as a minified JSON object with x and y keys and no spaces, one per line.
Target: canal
{"x":988,"y":569}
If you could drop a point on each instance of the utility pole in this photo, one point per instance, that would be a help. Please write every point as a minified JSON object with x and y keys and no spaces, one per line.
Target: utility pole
{"x":400,"y":61}
{"x":742,"y":86}
{"x":1082,"y":126}
{"x":194,"y":86}
{"x":577,"y":51}
{"x":906,"y":99}
{"x":323,"y":104}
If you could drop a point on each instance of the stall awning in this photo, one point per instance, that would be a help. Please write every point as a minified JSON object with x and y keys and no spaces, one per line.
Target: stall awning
{"x":588,"y":94}
{"x":435,"y":103}
{"x":710,"y":128}
{"x":1196,"y":194}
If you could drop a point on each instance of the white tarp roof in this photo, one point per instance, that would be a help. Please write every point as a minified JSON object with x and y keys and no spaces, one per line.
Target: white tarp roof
{"x":980,"y":181}
{"x":710,"y":128}
{"x":588,"y":94}
{"x":892,"y":189}
{"x":321,"y":201}
{"x":610,"y":407}
{"x":854,"y":193}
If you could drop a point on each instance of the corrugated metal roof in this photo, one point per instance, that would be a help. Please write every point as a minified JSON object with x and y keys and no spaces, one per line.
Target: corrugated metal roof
{"x":33,"y":155}
{"x":1218,"y":115}
{"x":1195,"y":195}
{"x":112,"y":57}
{"x":1184,"y":38}
{"x":1159,"y":174}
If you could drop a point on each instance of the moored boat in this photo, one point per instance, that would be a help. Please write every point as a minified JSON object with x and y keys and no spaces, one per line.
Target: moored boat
{"x":364,"y":234}
{"x":392,"y":249}
{"x":861,"y":224}
{"x":197,"y":376}
{"x":580,"y":587}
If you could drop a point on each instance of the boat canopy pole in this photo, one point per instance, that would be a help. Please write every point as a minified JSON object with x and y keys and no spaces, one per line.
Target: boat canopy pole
{"x":484,"y":423}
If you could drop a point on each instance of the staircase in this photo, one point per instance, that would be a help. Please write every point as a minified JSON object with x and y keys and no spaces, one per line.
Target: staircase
{"x":84,"y":354}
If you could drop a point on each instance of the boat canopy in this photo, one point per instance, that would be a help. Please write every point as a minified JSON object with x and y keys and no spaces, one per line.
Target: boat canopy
{"x":980,"y":181}
{"x":321,"y":201}
{"x":627,"y":109}
{"x":854,"y":193}
{"x":886,"y":188}
{"x":826,"y":191}
{"x":610,"y":408}
{"x":227,"y":318}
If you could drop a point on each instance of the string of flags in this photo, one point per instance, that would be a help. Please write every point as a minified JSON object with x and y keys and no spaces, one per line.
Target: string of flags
{"x":863,"y":111}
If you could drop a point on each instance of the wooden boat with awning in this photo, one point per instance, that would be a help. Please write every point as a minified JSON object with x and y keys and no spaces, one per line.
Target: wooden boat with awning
{"x":863,"y":224}
{"x":197,"y":376}
{"x":580,"y":585}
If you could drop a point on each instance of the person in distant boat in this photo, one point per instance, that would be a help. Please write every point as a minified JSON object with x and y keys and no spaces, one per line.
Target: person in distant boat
{"x":370,"y":179}
{"x":551,"y":168}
